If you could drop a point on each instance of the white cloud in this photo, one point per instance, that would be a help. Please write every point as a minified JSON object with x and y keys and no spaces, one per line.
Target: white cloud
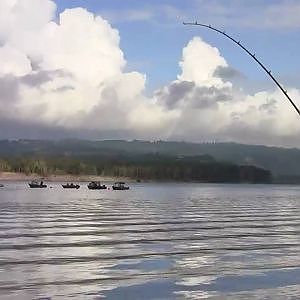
{"x":13,"y":61}
{"x":212,"y":108}
{"x":84,"y":45}
{"x":199,"y":62}
{"x":71,"y":74}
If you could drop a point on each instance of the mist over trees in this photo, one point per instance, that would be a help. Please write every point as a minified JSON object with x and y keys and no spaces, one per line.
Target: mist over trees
{"x":280,"y":161}
{"x":158,"y":167}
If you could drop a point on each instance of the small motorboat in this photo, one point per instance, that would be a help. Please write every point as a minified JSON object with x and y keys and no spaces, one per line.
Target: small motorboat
{"x":96,"y":185}
{"x":120,"y":186}
{"x":71,"y":186}
{"x":1,"y":185}
{"x":37,"y":185}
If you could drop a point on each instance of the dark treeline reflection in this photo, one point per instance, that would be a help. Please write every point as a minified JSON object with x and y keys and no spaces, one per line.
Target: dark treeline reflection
{"x":144,"y":167}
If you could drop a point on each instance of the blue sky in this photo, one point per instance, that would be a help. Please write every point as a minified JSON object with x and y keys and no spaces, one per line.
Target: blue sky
{"x":152,"y":34}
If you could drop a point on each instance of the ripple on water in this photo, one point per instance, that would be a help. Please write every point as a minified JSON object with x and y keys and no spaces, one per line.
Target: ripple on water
{"x":156,"y":241}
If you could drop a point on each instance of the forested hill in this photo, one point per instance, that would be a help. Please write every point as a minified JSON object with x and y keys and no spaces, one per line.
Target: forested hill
{"x":280,"y":161}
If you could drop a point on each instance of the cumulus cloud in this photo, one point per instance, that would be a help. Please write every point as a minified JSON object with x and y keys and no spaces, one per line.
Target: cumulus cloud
{"x":212,"y":107}
{"x":71,"y":71}
{"x":227,"y":73}
{"x":65,"y":75}
{"x":199,"y":63}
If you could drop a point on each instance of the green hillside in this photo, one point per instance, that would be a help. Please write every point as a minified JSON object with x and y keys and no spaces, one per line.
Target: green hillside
{"x":279,"y":161}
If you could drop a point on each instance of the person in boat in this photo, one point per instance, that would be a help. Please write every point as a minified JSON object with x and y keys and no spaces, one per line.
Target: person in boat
{"x":96,"y":185}
{"x":36,"y":184}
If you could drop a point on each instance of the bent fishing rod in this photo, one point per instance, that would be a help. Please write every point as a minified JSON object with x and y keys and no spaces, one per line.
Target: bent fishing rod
{"x":250,"y":54}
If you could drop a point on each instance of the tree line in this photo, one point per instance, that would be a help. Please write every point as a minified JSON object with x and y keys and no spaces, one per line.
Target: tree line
{"x":144,"y":167}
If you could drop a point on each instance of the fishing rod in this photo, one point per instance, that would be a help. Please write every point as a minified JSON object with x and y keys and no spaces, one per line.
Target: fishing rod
{"x":252,"y":55}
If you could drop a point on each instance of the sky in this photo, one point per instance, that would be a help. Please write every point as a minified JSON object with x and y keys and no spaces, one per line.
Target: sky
{"x":115,"y":69}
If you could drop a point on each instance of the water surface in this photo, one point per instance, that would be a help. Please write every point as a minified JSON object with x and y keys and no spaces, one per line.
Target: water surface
{"x":155,"y":241}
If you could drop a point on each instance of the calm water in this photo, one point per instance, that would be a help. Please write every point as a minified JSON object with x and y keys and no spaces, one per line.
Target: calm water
{"x":156,"y":241}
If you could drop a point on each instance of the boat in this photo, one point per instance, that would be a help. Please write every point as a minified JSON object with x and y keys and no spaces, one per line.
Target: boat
{"x":37,"y":185}
{"x":71,"y":186}
{"x":96,"y":185}
{"x":1,"y":185}
{"x":120,"y":186}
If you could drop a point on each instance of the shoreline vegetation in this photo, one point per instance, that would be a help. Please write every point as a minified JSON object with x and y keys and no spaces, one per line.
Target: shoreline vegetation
{"x":22,"y":177}
{"x":87,"y":161}
{"x":155,"y":169}
{"x":15,"y":176}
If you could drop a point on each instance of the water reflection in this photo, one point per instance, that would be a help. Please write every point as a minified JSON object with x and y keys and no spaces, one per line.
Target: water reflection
{"x":185,"y":241}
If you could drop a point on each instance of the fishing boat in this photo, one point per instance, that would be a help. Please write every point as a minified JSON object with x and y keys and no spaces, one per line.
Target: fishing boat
{"x":37,"y":185}
{"x":120,"y":186}
{"x":96,"y":185}
{"x":71,"y":186}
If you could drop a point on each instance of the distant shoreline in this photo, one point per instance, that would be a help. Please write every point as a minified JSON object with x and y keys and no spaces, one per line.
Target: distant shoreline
{"x":14,"y":176}
{"x":11,"y":176}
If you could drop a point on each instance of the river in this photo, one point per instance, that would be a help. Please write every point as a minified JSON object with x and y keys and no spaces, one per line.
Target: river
{"x":155,"y":241}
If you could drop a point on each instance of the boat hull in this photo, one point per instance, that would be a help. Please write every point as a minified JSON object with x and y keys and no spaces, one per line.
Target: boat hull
{"x":116,"y":188}
{"x":71,"y":187}
{"x":37,"y":186}
{"x":97,"y":187}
